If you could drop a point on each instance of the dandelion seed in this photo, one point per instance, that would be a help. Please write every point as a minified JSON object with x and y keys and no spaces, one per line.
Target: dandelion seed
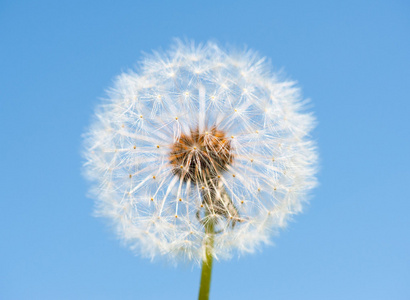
{"x":231,"y":111}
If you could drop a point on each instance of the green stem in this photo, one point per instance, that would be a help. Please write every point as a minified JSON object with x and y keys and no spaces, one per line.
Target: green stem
{"x":207,"y":263}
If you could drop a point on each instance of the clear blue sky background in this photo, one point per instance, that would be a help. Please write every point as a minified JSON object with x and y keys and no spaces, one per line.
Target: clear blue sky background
{"x":350,"y":57}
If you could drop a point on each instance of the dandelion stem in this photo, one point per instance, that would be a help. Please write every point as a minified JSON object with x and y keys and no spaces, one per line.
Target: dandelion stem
{"x":207,"y":263}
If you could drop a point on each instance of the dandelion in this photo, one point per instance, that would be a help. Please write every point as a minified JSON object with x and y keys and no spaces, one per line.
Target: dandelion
{"x":202,"y":153}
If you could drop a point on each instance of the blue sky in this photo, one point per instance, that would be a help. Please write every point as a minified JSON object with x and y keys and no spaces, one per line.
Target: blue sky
{"x":350,"y":57}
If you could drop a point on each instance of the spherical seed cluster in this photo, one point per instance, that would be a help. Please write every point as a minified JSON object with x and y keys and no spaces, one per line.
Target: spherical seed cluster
{"x":198,"y":135}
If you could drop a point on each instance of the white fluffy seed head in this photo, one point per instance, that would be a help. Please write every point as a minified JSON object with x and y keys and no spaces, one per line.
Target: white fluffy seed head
{"x":159,"y":185}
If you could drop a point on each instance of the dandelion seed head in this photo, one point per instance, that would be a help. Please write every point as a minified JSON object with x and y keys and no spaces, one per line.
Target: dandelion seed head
{"x":200,"y":134}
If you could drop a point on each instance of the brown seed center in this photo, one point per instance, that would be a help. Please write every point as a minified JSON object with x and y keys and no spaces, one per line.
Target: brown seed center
{"x":201,"y":157}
